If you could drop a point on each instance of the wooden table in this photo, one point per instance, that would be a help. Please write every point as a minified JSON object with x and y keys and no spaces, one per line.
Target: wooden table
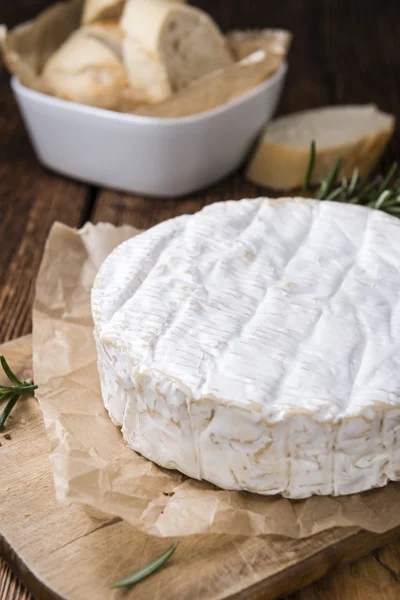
{"x":344,"y":52}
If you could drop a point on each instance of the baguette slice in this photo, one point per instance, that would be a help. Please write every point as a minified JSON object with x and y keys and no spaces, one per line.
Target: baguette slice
{"x":99,"y":10}
{"x":358,"y":135}
{"x":147,"y":76}
{"x":217,"y":88}
{"x":88,"y":68}
{"x":168,"y":46}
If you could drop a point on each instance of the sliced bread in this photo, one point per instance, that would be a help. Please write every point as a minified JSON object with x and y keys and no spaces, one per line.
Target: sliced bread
{"x":147,"y":76}
{"x":168,"y":46}
{"x":358,"y":135}
{"x":88,"y":68}
{"x":98,"y":10}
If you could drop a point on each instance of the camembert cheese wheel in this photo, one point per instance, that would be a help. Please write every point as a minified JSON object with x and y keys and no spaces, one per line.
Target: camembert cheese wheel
{"x":256,"y":345}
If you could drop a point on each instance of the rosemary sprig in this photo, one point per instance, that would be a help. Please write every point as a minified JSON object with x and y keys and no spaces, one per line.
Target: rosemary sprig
{"x":381,"y":193}
{"x":147,"y":570}
{"x":12,"y":393}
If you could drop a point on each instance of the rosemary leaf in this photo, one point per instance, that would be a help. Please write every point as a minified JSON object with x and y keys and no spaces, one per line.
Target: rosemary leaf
{"x":393,"y":201}
{"x":393,"y":210}
{"x":12,"y":393}
{"x":321,"y":193}
{"x":11,"y":376}
{"x":353,"y":181}
{"x":147,"y":570}
{"x":335,"y":194}
{"x":310,"y":169}
{"x":25,"y":387}
{"x":385,"y":183}
{"x":7,"y":411}
{"x":382,"y":199}
{"x":5,"y":397}
{"x":326,"y":188}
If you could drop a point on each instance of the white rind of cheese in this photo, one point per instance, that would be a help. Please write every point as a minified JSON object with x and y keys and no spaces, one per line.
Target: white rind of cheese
{"x":256,"y":345}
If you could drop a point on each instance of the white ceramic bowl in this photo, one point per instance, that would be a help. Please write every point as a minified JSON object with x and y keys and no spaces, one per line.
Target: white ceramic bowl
{"x":146,"y":155}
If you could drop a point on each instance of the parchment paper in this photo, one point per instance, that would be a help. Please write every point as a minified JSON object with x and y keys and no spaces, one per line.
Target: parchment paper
{"x":90,"y":462}
{"x":27,"y":48}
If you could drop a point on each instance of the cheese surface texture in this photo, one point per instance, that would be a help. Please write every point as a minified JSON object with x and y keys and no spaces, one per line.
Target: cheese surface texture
{"x":256,"y":345}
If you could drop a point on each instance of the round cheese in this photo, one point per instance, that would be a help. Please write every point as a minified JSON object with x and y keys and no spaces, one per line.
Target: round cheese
{"x":256,"y":345}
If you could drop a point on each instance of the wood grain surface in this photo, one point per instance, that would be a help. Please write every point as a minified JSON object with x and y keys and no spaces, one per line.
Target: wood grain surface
{"x":37,"y":535}
{"x":344,"y":52}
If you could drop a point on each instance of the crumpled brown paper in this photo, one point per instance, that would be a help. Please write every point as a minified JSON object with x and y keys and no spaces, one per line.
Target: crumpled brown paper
{"x":90,"y":462}
{"x":258,"y":53}
{"x":27,"y":48}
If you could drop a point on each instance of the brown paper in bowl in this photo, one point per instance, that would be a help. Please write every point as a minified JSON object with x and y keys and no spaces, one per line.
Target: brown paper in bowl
{"x":90,"y":462}
{"x":27,"y":48}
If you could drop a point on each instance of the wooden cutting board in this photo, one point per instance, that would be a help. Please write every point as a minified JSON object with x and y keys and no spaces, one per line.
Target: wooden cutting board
{"x":75,"y":553}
